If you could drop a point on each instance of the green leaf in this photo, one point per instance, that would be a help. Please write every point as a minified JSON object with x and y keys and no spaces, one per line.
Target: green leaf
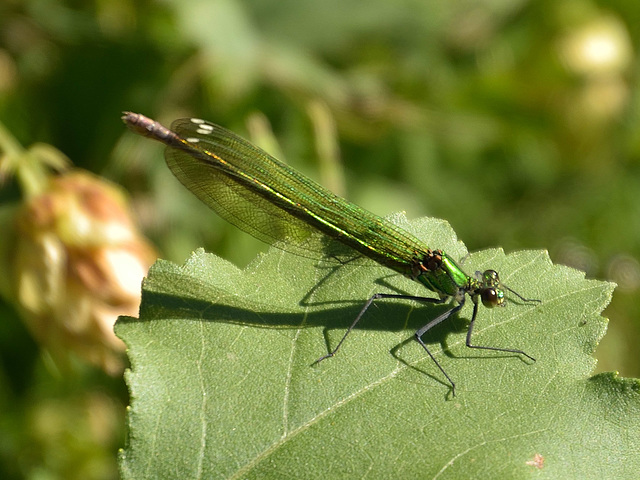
{"x":222,"y":383}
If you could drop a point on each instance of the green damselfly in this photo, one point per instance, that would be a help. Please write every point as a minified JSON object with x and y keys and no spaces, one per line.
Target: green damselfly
{"x":271,"y":201}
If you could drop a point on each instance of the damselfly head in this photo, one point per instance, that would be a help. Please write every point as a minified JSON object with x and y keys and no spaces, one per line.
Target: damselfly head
{"x":491,"y":292}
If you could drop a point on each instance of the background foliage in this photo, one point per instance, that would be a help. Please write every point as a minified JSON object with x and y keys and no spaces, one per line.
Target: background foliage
{"x":516,"y":121}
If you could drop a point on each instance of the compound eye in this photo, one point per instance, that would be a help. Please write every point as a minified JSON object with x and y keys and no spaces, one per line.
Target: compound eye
{"x":491,"y":277}
{"x":490,"y":297}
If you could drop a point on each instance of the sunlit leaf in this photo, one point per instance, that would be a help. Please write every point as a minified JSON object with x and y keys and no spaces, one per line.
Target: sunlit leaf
{"x":222,"y":383}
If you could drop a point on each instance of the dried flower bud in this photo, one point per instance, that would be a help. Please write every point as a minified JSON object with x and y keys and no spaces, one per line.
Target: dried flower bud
{"x":79,"y":264}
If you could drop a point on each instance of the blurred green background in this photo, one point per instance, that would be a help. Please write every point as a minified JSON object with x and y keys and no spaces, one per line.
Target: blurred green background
{"x":516,"y":121}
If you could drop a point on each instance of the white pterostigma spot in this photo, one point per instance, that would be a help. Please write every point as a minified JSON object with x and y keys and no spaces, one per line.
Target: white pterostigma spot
{"x":197,"y":121}
{"x":204,"y":129}
{"x":192,"y":140}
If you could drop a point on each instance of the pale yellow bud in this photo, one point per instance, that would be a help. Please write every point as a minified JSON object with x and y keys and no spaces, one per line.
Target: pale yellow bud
{"x":79,"y":264}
